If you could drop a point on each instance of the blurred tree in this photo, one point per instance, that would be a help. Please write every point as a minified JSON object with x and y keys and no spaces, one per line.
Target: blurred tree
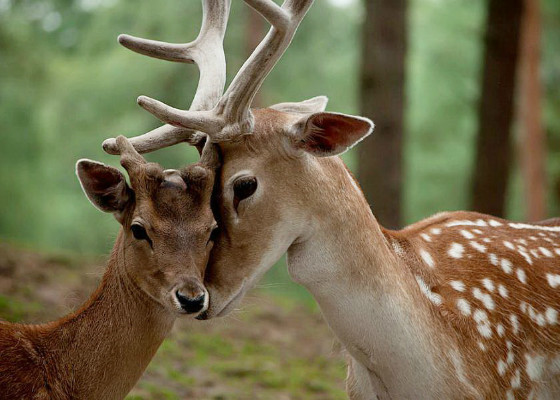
{"x":382,"y":84}
{"x":496,"y":105}
{"x":532,"y":145}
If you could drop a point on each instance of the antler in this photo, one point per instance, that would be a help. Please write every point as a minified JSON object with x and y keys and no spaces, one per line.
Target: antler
{"x":207,"y":52}
{"x":231,"y":115}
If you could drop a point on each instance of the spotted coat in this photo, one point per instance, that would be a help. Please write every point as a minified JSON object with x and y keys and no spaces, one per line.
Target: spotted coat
{"x":496,"y":285}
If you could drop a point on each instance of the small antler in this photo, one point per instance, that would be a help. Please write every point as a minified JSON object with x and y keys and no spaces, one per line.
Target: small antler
{"x":207,"y":52}
{"x":231,"y":115}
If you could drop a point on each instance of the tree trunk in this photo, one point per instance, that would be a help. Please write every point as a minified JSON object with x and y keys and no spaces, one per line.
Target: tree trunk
{"x":382,"y":83}
{"x":493,"y":156}
{"x":532,"y":149}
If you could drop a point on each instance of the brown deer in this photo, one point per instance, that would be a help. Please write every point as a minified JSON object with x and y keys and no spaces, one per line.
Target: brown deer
{"x":154,"y":275}
{"x":458,"y":306}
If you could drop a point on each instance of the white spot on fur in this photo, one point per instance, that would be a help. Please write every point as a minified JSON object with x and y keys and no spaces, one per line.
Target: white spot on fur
{"x":493,"y":222}
{"x":466,"y":234}
{"x":477,"y":246}
{"x":433,"y":297}
{"x":488,"y":284}
{"x":516,"y":379}
{"x":503,"y":291}
{"x":514,"y":323}
{"x":534,"y":366}
{"x":477,"y":231}
{"x":535,"y":227}
{"x":493,"y":259}
{"x":427,"y":258}
{"x":435,"y":231}
{"x":557,"y":251}
{"x":467,"y":223}
{"x":502,"y":367}
{"x":521,"y":275}
{"x":481,"y":346}
{"x":509,"y":395}
{"x":551,"y":316}
{"x":526,"y":256}
{"x":458,"y":285}
{"x":485,"y":298}
{"x":464,"y":306}
{"x":553,"y":280}
{"x":506,"y":265}
{"x":426,"y":237}
{"x":456,"y":250}
{"x":509,"y":245}
{"x":500,"y":330}
{"x":483,"y":324}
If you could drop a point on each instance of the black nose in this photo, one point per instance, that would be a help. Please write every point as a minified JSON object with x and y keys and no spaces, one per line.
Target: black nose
{"x":190,"y":305}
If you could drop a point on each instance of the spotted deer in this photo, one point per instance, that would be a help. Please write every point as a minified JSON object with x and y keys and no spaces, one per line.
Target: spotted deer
{"x":154,"y":275}
{"x":458,"y":306}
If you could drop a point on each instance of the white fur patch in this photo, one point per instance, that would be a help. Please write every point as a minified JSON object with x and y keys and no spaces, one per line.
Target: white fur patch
{"x":466,"y":234}
{"x":464,"y":306}
{"x":506,"y":265}
{"x":509,"y":245}
{"x":483,"y":324}
{"x":478,"y":247}
{"x":458,"y":285}
{"x":426,"y":237}
{"x":503,"y":291}
{"x":534,"y":366}
{"x":435,"y":231}
{"x":456,"y":250}
{"x":493,"y":259}
{"x":521,"y":275}
{"x":553,"y":280}
{"x":433,"y":297}
{"x":427,"y":258}
{"x":493,"y":222}
{"x":546,"y":252}
{"x":535,"y":227}
{"x":502,"y":366}
{"x":551,"y":316}
{"x":516,"y":379}
{"x":488,"y":284}
{"x":485,"y":298}
{"x":514,"y":323}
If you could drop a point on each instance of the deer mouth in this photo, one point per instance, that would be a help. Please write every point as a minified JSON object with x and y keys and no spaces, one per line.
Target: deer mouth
{"x":227,"y":308}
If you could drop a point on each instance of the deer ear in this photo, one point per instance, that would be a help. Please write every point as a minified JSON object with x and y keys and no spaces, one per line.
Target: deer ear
{"x":313,"y":105}
{"x":104,"y":186}
{"x":327,"y":134}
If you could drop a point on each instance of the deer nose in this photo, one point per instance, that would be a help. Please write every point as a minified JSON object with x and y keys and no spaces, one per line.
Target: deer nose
{"x":191,"y":305}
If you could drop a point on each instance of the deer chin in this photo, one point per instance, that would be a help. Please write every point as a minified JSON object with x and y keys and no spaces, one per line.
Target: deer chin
{"x":229,"y":305}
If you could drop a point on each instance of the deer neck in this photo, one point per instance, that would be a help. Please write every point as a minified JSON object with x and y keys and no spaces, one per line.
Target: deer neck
{"x":101,"y":351}
{"x":347,"y":263}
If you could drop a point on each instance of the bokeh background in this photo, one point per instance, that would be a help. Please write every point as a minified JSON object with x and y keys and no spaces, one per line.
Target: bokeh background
{"x":465,"y":95}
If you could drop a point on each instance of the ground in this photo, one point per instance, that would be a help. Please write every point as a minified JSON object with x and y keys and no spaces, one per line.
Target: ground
{"x":277,"y":347}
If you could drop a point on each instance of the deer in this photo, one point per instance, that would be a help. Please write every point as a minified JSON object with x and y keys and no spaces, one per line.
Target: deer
{"x":460,"y":305}
{"x":153,"y":276}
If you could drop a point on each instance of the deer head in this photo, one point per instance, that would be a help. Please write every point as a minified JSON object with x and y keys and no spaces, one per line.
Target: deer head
{"x":276,"y":161}
{"x":166,"y":223}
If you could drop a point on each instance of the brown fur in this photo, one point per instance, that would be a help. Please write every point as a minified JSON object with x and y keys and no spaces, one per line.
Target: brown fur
{"x":101,"y":350}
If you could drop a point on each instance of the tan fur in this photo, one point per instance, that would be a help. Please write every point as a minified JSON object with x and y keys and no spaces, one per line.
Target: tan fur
{"x":366,"y":279}
{"x":101,"y":350}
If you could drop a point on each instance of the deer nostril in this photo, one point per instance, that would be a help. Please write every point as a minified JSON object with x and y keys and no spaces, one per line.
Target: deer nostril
{"x":190,"y":305}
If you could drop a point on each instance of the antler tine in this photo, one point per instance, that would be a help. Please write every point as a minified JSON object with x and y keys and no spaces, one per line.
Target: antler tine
{"x":285,"y":20}
{"x":233,"y":110}
{"x":207,"y":52}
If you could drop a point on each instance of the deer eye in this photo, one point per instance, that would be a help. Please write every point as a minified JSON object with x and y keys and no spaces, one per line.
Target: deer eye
{"x":139,"y":232}
{"x":244,"y":188}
